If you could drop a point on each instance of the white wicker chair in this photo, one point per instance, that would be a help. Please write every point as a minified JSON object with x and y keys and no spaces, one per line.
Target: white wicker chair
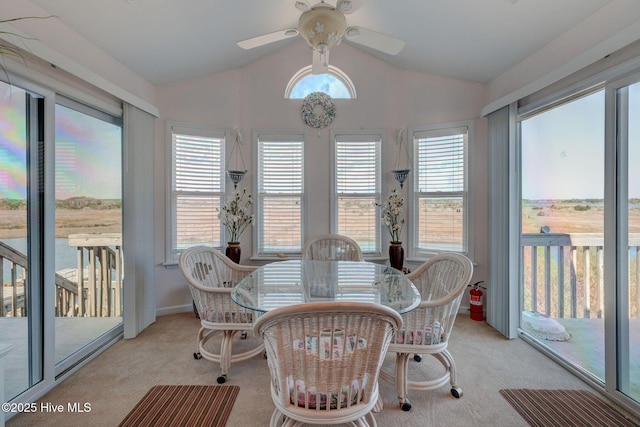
{"x":325,"y":360}
{"x":441,"y":281}
{"x":332,"y":247}
{"x":211,"y":277}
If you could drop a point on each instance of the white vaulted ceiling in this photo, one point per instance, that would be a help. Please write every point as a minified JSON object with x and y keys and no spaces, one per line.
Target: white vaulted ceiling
{"x":476,"y":40}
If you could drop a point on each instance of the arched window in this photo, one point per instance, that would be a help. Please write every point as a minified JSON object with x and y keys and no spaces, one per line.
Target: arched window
{"x":334,"y":83}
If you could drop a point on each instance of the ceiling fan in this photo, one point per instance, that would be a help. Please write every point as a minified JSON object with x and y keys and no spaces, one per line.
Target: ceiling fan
{"x":324,"y":26}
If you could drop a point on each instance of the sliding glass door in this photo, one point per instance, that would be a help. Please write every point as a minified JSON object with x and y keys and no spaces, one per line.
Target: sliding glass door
{"x":562,"y":182}
{"x":88,"y":226}
{"x":625,"y":372}
{"x":21,"y":237}
{"x":60,"y":235}
{"x":580,"y":237}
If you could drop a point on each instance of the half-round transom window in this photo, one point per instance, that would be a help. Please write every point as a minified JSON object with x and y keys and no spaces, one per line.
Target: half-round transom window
{"x":334,"y":83}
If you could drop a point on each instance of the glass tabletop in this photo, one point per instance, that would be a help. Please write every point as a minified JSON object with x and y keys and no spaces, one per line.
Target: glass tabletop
{"x":283,"y":283}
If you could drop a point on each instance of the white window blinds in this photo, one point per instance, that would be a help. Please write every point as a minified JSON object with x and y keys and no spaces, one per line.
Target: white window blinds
{"x":197,"y":188}
{"x":357,"y":188}
{"x":440,"y":190}
{"x":280,"y":191}
{"x":441,"y":160}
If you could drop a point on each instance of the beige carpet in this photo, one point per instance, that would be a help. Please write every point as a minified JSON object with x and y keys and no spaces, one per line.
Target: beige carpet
{"x":163,"y":354}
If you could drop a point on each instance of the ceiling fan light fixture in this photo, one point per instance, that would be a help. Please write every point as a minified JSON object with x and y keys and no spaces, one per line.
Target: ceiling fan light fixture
{"x":302,"y":6}
{"x":322,"y":27}
{"x":345,"y":6}
{"x":352,"y":32}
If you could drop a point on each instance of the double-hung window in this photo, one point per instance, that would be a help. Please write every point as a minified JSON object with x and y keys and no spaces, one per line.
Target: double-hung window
{"x":356,"y":186}
{"x":440,"y":189}
{"x":280,"y":183}
{"x":196,"y":188}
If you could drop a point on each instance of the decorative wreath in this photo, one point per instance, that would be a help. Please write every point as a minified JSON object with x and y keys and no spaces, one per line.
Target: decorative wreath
{"x":318,"y":120}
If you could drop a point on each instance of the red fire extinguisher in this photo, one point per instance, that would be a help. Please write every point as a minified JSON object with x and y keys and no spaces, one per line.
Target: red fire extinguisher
{"x":475,"y":302}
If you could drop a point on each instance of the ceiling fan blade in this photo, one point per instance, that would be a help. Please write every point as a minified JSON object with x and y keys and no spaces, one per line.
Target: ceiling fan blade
{"x":374,"y":40}
{"x":268,"y":38}
{"x":320,"y":64}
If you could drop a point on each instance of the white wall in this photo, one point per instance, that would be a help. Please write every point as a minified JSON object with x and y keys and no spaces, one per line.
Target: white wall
{"x":611,"y":28}
{"x":253,"y":98}
{"x":57,"y":44}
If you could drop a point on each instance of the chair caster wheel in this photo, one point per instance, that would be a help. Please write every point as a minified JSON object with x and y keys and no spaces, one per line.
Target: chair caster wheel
{"x":243,"y":336}
{"x":197,"y":356}
{"x":221,"y":379}
{"x":456,"y":392}
{"x":406,"y":406}
{"x":417,"y":358}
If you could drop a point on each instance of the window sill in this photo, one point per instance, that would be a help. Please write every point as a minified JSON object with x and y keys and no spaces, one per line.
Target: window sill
{"x":272,"y":258}
{"x":170,"y":264}
{"x":420,"y":260}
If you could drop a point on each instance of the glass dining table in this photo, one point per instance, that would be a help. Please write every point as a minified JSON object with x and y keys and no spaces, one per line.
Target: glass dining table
{"x":283,"y":283}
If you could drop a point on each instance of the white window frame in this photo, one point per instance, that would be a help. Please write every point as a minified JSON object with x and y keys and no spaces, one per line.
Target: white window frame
{"x":357,"y":135}
{"x":467,"y":229}
{"x":285,"y":136}
{"x":172,"y":127}
{"x":334,"y":71}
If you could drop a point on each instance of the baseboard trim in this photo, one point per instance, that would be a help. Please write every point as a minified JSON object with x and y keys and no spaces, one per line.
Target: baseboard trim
{"x":174,"y":310}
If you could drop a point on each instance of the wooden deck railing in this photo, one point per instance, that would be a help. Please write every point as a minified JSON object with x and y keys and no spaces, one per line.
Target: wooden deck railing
{"x":563,"y":274}
{"x":92,"y":289}
{"x":101,"y":273}
{"x":13,"y":297}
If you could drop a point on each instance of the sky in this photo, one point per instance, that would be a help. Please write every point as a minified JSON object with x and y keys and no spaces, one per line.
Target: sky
{"x":563,"y":150}
{"x":12,"y":143}
{"x":88,"y":151}
{"x":88,"y":156}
